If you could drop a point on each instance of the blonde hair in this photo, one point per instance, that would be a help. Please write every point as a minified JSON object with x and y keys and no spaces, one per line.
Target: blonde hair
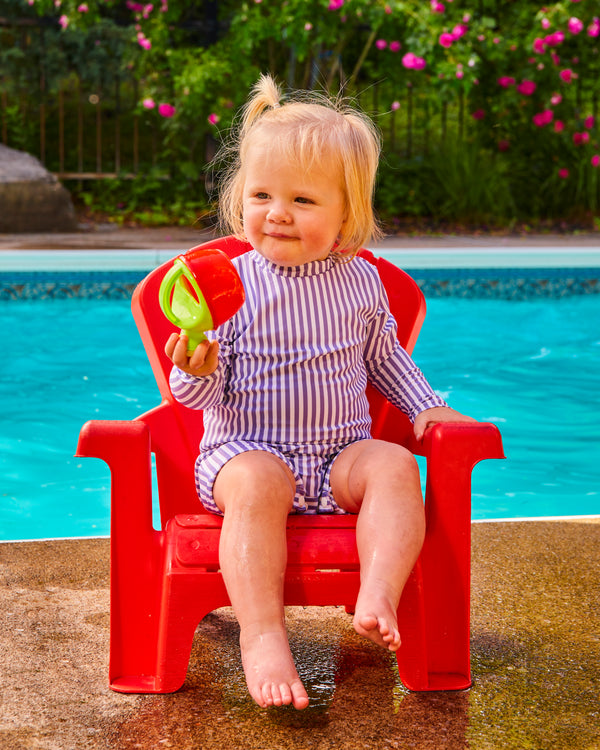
{"x":310,"y":129}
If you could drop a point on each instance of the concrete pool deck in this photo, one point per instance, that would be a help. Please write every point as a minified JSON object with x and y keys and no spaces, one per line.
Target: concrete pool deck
{"x":535,"y":657}
{"x":113,"y":237}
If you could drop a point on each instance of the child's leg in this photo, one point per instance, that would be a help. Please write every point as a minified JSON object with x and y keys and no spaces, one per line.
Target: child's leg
{"x":380,"y":482}
{"x":255,"y":490}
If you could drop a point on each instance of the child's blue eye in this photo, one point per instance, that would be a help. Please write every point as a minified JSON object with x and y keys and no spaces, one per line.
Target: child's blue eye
{"x":262,"y":196}
{"x":303,"y":200}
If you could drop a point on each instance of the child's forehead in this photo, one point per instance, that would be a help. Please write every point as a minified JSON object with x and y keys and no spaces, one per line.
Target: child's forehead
{"x":265,"y":154}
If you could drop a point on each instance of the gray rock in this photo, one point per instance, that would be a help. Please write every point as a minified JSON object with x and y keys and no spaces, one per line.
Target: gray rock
{"x":32,"y":199}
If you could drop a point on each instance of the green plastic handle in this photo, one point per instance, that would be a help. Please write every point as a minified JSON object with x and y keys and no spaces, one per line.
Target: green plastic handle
{"x":185,"y":308}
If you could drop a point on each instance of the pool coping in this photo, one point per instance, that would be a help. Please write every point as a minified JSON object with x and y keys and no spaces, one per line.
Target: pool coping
{"x":406,"y":256}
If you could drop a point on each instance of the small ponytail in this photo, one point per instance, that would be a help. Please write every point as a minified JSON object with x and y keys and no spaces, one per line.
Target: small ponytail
{"x":265,"y":95}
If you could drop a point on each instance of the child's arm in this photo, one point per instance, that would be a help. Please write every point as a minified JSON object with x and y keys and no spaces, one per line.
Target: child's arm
{"x":204,"y":360}
{"x":197,"y":381}
{"x":436,"y":414}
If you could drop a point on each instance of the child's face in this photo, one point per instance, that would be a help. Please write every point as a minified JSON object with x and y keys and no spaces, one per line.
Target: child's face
{"x":291,"y":216}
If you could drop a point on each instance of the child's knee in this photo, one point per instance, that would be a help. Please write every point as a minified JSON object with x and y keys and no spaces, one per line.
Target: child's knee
{"x":255,"y":479}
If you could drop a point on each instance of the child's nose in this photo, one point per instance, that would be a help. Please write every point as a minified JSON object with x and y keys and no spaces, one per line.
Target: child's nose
{"x":278,"y":214}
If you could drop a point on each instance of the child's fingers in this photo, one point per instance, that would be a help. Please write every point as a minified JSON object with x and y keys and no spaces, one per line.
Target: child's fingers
{"x":170,"y":345}
{"x":198,"y":356}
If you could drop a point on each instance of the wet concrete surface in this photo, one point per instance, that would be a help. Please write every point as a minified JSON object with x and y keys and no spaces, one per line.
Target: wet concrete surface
{"x":535,"y":655}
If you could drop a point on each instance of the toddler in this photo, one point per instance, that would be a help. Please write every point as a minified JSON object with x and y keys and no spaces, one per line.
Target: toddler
{"x":282,"y":383}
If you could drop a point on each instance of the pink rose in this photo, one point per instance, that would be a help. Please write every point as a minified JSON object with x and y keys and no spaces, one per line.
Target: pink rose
{"x":575,"y":25}
{"x":395,"y":46}
{"x":381,"y":44}
{"x":595,"y":160}
{"x":479,"y":114}
{"x":446,"y":40}
{"x":580,"y":138}
{"x":559,"y":126}
{"x":213,"y":118}
{"x":506,"y":81}
{"x":566,"y":75}
{"x":563,"y":173}
{"x":166,"y":110}
{"x":526,"y":87}
{"x":589,"y":122}
{"x":148,"y":103}
{"x":539,"y":46}
{"x":594,"y":28}
{"x":543,"y":118}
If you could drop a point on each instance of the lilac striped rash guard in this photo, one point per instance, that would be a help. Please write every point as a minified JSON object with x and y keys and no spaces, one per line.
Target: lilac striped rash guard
{"x":295,"y":359}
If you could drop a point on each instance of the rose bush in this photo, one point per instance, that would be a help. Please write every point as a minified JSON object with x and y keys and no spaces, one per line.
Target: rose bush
{"x":513,"y":86}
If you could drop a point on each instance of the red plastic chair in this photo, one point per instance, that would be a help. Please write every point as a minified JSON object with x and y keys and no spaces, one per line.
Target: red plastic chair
{"x":163,"y":582}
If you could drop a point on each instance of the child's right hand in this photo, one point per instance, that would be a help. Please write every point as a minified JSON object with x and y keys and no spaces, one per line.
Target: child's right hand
{"x":204,"y":359}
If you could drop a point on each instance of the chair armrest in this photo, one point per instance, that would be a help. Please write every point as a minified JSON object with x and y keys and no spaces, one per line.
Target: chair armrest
{"x":125,"y":447}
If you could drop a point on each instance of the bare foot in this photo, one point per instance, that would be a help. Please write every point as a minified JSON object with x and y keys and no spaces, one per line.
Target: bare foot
{"x":270,"y":672}
{"x":375,"y":618}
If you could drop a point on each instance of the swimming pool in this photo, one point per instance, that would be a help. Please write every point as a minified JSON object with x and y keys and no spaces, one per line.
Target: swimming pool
{"x":530,"y":366}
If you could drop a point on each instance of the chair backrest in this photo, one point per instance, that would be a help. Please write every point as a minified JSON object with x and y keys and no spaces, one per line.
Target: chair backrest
{"x":407,"y":304}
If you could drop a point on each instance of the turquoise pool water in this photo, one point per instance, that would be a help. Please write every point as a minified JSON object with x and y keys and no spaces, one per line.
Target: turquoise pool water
{"x":530,"y":366}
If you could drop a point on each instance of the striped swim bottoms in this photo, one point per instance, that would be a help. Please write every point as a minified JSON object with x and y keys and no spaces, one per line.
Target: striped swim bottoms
{"x":310,"y":465}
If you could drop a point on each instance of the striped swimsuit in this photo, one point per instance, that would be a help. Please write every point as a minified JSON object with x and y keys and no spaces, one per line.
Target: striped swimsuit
{"x":293,"y":367}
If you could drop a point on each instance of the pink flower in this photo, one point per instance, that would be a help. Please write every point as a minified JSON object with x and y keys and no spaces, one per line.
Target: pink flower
{"x":555,"y":99}
{"x":395,"y":46}
{"x":166,"y":110}
{"x":555,"y":58}
{"x":381,"y":44}
{"x":580,"y":138}
{"x":503,"y":145}
{"x":575,"y":25}
{"x":479,"y":114}
{"x":148,"y":103}
{"x":545,"y":23}
{"x":213,"y":118}
{"x":446,"y":40}
{"x":437,"y":7}
{"x":552,"y":40}
{"x":308,"y":26}
{"x":539,"y":46}
{"x":395,"y":106}
{"x":589,"y":122}
{"x":459,"y":31}
{"x":559,"y":126}
{"x":506,"y":81}
{"x":144,"y":42}
{"x":419,"y":63}
{"x":408,"y":60}
{"x":563,"y":173}
{"x":543,"y":118}
{"x":594,"y":28}
{"x":63,"y":22}
{"x":526,"y":87}
{"x":595,"y":160}
{"x":566,"y":75}
{"x":460,"y":74}
{"x":83,"y":8}
{"x":335,"y":4}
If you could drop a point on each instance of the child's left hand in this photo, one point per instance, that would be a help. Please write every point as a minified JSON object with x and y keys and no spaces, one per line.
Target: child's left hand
{"x":437,"y":414}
